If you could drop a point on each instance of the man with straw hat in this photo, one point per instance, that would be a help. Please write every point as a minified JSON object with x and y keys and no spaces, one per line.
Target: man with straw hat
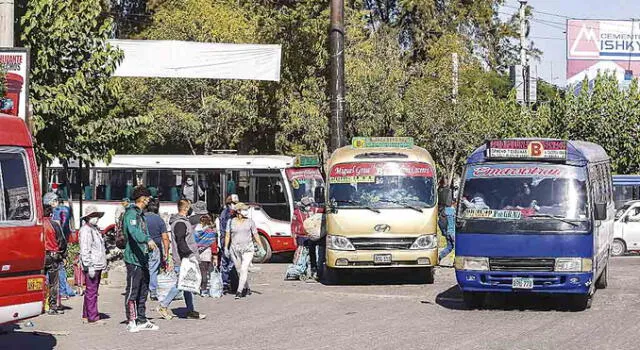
{"x":93,"y":258}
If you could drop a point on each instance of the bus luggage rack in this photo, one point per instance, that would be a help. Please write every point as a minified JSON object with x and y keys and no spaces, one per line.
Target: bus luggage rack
{"x":522,"y":264}
{"x":381,"y":243}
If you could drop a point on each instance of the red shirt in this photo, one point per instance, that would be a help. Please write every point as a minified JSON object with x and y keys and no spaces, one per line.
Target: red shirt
{"x":50,"y":239}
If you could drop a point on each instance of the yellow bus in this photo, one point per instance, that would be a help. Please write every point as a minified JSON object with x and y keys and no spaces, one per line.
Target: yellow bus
{"x":381,"y":207}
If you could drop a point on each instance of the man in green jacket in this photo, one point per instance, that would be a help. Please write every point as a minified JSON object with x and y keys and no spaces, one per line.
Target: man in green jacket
{"x":136,"y":258}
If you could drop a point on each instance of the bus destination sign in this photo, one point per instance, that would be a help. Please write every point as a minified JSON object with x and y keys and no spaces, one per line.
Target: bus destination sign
{"x":378,"y":142}
{"x":527,"y":149}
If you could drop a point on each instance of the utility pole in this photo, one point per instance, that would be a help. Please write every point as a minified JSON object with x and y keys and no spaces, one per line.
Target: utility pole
{"x":336,"y":50}
{"x":6,"y":23}
{"x":523,"y":50}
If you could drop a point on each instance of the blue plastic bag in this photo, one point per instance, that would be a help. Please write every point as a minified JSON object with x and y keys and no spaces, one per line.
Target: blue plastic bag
{"x":215,"y":283}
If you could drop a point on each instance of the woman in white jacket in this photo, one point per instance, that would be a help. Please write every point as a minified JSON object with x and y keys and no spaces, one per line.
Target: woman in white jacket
{"x":94,"y":260}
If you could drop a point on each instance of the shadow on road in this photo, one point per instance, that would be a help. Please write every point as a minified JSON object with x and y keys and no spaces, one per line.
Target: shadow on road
{"x":452,"y":299}
{"x":14,"y":337}
{"x":376,"y":277}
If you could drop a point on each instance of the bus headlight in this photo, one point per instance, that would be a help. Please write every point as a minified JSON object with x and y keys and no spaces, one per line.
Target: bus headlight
{"x":339,"y":243}
{"x":573,"y":265}
{"x":425,"y":242}
{"x":471,"y":263}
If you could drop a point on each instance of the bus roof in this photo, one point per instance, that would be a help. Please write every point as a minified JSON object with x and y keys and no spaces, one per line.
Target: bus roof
{"x":351,"y":154}
{"x":14,"y":132}
{"x":215,"y":161}
{"x":626,"y":180}
{"x":578,"y":152}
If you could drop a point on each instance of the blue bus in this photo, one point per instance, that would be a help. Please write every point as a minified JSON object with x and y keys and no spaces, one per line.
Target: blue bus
{"x":534,"y":216}
{"x":625,"y":188}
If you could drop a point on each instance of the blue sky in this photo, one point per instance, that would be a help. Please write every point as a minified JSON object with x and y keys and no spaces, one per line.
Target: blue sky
{"x":548,"y":27}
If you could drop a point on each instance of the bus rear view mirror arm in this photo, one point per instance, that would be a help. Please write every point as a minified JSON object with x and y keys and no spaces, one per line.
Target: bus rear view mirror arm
{"x":600,"y":211}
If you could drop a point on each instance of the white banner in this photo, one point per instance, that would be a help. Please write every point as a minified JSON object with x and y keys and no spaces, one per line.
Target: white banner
{"x":183,"y":59}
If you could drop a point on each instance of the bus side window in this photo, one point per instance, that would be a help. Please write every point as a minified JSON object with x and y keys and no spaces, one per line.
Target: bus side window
{"x":14,"y":183}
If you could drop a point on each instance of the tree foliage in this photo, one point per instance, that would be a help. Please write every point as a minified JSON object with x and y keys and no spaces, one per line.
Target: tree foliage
{"x":76,"y":109}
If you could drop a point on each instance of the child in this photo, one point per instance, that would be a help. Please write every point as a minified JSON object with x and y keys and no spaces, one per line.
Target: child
{"x":206,"y":238}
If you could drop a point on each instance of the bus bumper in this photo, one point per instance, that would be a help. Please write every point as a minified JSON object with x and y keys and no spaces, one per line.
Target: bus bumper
{"x":366,"y":259}
{"x":21,"y":297}
{"x":543,"y":282}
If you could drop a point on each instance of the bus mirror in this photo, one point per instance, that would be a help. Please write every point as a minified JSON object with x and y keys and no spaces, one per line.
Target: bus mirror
{"x":444,"y":196}
{"x":318,"y":195}
{"x":600,"y":211}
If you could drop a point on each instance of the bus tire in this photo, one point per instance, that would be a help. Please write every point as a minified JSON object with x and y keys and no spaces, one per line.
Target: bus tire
{"x":473,"y":300}
{"x":267,"y":248}
{"x":603,"y":280}
{"x":618,"y":247}
{"x":430,"y":275}
{"x":580,"y":302}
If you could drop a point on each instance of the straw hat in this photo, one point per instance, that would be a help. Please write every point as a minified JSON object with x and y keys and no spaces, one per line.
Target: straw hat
{"x":241,"y":206}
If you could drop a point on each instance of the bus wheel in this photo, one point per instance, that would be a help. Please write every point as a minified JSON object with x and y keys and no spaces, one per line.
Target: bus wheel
{"x":430,"y":274}
{"x":618,"y":247}
{"x":580,"y":302}
{"x":267,"y":248}
{"x":602,"y":281}
{"x":473,"y":300}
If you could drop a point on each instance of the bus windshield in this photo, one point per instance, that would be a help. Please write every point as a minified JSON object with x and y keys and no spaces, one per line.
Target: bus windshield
{"x":382,"y":185}
{"x":306,"y":183}
{"x":524,"y":191}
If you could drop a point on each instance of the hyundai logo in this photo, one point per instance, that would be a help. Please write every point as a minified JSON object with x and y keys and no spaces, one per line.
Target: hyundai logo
{"x":382,"y":228}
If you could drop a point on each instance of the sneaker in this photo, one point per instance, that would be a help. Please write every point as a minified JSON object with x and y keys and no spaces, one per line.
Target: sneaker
{"x":132,"y":327}
{"x":55,"y":312}
{"x":238,"y":296}
{"x":195,"y":315}
{"x":165,"y":313}
{"x":148,"y":326}
{"x":246,"y":292}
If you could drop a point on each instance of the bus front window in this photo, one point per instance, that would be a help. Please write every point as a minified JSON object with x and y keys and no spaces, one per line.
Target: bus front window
{"x":306,"y":183}
{"x":382,"y":185}
{"x":524,"y":191}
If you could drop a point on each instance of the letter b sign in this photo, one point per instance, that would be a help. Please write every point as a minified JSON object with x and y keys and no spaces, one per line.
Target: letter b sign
{"x":536,"y":149}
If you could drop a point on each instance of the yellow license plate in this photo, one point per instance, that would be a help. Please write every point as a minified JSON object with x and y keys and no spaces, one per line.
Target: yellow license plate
{"x":34,"y":284}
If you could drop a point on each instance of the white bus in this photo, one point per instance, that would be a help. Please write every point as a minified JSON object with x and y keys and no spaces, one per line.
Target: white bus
{"x":261,"y":181}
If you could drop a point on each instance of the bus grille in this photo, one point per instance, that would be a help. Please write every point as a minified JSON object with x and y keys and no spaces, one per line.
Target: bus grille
{"x":381,"y":243}
{"x":521,"y":264}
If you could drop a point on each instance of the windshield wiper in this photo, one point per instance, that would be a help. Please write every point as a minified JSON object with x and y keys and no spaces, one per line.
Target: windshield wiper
{"x":553,"y":217}
{"x":358,"y":204}
{"x":404,"y":204}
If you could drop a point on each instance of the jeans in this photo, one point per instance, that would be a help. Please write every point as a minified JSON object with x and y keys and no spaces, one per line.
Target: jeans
{"x":65,"y":288}
{"x":226,"y":269}
{"x":242,"y":257}
{"x":188,"y":296}
{"x":90,"y":306}
{"x":135,"y":302}
{"x":450,"y":245}
{"x":317,"y":250}
{"x":53,"y":282}
{"x":154,"y":267}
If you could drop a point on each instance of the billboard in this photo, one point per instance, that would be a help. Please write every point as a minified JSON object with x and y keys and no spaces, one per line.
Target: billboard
{"x":602,"y":45}
{"x":16,"y":63}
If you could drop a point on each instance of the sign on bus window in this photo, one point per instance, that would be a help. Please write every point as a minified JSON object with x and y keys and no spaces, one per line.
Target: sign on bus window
{"x":14,"y":183}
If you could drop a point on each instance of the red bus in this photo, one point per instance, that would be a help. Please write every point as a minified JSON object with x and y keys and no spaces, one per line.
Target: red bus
{"x":22,"y":282}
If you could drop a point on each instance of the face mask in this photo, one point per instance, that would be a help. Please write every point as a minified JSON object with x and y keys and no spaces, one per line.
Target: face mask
{"x":244,"y":213}
{"x":94,"y":221}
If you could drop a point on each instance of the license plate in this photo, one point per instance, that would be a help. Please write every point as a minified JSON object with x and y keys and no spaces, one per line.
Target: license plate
{"x":522,"y":283}
{"x":34,"y":284}
{"x":382,"y":258}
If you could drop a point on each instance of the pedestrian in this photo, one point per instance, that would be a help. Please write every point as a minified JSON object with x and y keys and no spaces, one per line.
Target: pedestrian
{"x":124,"y":204}
{"x":93,"y":258}
{"x":226,"y":264}
{"x":62,"y":213}
{"x":240,"y":235}
{"x":188,"y":191}
{"x":183,"y":247}
{"x":206,"y":239}
{"x":136,"y":258}
{"x":160,"y":235}
{"x":55,"y":252}
{"x":449,"y":231}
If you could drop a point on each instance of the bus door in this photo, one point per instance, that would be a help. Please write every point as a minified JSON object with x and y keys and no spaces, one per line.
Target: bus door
{"x":210,"y":184}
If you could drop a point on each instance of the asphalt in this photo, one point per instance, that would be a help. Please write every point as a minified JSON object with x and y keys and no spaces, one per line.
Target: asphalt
{"x":380,"y":310}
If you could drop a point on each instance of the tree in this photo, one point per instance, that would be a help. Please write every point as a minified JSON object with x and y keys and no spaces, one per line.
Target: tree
{"x":75,"y":109}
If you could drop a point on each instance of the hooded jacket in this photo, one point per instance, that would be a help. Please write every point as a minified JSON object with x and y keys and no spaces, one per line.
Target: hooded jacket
{"x":183,"y":243}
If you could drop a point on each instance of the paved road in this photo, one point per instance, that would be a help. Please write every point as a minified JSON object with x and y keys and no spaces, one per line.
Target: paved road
{"x":380,"y":311}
